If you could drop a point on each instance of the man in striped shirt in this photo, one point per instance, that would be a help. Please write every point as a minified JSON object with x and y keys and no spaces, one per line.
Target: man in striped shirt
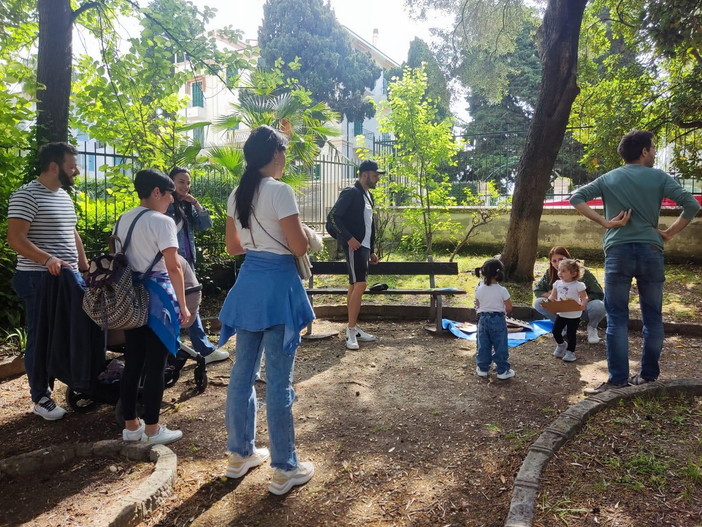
{"x":41,"y":227}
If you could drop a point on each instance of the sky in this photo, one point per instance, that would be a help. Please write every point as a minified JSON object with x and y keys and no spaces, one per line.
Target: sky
{"x":395,"y":28}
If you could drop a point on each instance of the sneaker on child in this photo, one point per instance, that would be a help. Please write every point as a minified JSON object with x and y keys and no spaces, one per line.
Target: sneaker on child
{"x":48,"y":409}
{"x":284,"y":480}
{"x":238,"y":466}
{"x":506,"y":374}
{"x":362,"y":336}
{"x":480,"y":373}
{"x":592,"y":336}
{"x":560,"y":350}
{"x":163,"y":436}
{"x":637,"y":380}
{"x":351,"y":342}
{"x":569,"y":356}
{"x":216,"y":356}
{"x":134,"y":435}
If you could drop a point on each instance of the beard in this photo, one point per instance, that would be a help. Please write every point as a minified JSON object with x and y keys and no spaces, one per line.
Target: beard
{"x":65,"y":179}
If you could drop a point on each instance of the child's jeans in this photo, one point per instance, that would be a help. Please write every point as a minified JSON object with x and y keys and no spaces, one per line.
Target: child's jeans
{"x":492,"y":342}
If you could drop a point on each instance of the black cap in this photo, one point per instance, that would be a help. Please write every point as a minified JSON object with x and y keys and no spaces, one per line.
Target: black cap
{"x":369,"y":165}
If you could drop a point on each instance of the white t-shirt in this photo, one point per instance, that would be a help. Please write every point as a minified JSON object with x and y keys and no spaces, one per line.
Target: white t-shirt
{"x":52,"y":221}
{"x":368,"y":219}
{"x":153,"y":233}
{"x":273,"y":201}
{"x":490,"y":298}
{"x":566,"y":290}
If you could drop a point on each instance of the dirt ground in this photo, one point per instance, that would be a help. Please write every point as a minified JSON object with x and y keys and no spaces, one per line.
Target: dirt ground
{"x":402,"y":432}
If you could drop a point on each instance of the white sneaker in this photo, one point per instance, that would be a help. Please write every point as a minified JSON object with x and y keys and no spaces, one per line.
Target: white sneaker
{"x":481,"y":373}
{"x":134,"y":435}
{"x":216,"y":356}
{"x":284,"y":480}
{"x":560,"y":350}
{"x":238,"y":466}
{"x":592,"y":336}
{"x":48,"y":409}
{"x":351,"y":342}
{"x":569,"y":356}
{"x":506,"y":374}
{"x":164,"y":436}
{"x":363,"y":336}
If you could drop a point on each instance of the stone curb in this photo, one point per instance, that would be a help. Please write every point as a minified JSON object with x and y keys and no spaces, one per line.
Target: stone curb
{"x":527,"y":483}
{"x":130,"y":509}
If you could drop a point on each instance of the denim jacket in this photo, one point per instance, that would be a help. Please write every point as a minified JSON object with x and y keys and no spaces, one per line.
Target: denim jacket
{"x":195,"y":221}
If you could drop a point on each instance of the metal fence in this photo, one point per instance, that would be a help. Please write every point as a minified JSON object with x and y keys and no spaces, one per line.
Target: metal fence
{"x":487,"y":156}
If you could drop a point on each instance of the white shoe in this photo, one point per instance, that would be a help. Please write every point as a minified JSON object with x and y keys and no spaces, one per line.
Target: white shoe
{"x":481,"y":373}
{"x":134,"y":435}
{"x":592,"y":336}
{"x":238,"y":466}
{"x":164,"y":436}
{"x":351,"y":342}
{"x":48,"y":409}
{"x":569,"y":357}
{"x":560,"y":350}
{"x":216,"y":355}
{"x":506,"y":374}
{"x":363,"y":336}
{"x":284,"y":480}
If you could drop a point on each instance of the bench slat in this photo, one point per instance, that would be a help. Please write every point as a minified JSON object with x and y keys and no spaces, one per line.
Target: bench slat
{"x":436,"y":291}
{"x":390,"y":268}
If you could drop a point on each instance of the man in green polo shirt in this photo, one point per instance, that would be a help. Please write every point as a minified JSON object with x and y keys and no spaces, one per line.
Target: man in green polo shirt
{"x":633,"y":246}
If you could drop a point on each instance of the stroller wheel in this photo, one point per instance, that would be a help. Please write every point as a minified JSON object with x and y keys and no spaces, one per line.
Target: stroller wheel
{"x":79,"y":402}
{"x":201,"y":379}
{"x":119,"y":412}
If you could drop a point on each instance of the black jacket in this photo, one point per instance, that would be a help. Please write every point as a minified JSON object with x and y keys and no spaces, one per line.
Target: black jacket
{"x":69,"y":346}
{"x":346,"y":220}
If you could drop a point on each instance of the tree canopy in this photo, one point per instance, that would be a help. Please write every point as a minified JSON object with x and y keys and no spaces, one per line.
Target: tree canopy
{"x":329,"y":67}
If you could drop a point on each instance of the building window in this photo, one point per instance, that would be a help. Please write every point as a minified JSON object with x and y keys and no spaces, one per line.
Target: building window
{"x":199,"y":136}
{"x":197,"y":98}
{"x":232,"y":73}
{"x":357,"y":128}
{"x":91,"y":164}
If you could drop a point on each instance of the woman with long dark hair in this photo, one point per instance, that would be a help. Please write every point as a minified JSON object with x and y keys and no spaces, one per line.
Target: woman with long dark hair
{"x":267,"y":308}
{"x":191,"y":217}
{"x":595,"y":310}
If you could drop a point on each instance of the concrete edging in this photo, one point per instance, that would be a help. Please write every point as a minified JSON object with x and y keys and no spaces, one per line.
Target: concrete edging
{"x":130,"y":509}
{"x":526,"y":487}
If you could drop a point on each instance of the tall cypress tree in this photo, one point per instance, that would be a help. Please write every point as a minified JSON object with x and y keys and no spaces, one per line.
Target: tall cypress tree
{"x":330,"y":67}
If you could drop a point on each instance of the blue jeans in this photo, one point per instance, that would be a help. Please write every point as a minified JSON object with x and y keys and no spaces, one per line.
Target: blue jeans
{"x":241,"y":396}
{"x":26,"y":284}
{"x":199,"y":339}
{"x":645,"y":263}
{"x":492,"y":342}
{"x":593,"y":314}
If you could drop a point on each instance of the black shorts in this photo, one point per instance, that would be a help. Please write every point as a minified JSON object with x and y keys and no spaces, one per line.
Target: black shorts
{"x":357,"y":263}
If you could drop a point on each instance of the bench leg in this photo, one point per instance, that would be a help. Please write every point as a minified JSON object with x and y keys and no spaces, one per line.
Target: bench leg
{"x":439,"y":314}
{"x":309,"y":326}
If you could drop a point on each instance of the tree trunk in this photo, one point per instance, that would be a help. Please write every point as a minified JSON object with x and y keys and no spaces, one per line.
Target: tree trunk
{"x":55,"y":56}
{"x":559,"y":34}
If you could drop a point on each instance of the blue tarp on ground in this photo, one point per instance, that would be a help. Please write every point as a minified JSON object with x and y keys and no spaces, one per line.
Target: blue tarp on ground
{"x":540,"y":327}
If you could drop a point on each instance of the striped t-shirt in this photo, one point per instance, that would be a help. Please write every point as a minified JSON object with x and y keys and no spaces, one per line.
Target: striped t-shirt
{"x":52,"y":218}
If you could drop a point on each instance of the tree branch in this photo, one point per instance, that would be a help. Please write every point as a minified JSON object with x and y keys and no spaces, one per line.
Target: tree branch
{"x":84,"y":7}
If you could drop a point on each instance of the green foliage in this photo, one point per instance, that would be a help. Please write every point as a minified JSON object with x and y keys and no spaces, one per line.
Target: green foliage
{"x":269,"y":98}
{"x":422,"y":145}
{"x":329,"y":67}
{"x":641,"y":68}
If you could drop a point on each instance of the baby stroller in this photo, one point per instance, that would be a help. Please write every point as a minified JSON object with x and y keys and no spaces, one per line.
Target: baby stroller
{"x":105,"y":389}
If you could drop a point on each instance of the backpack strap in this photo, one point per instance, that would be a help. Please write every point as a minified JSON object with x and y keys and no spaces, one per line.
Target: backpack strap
{"x":124,"y":246}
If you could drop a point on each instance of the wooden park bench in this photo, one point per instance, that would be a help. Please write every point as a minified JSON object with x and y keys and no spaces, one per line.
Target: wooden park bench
{"x":429,"y":269}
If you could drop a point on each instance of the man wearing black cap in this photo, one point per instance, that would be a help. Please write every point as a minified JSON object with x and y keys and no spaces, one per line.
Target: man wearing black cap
{"x":351,"y":222}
